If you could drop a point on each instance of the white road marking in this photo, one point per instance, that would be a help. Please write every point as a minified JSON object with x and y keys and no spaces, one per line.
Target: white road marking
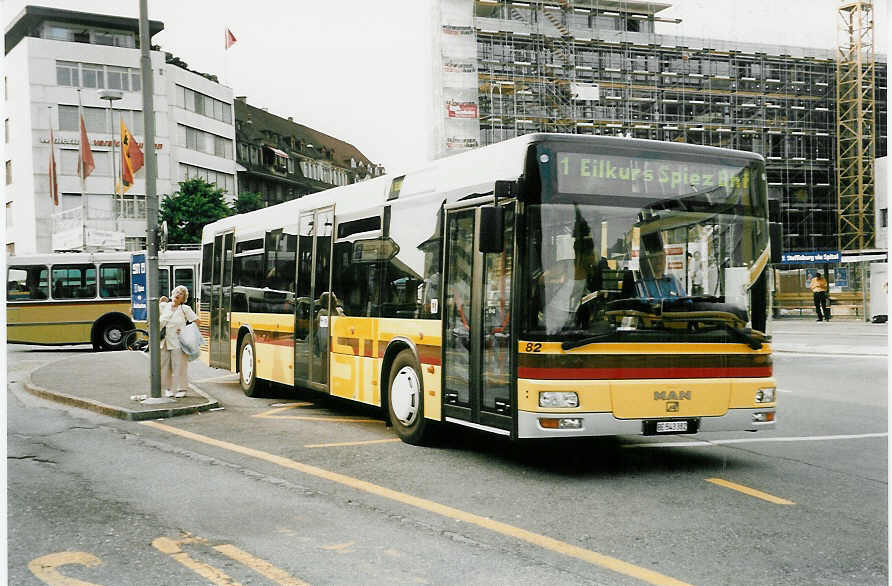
{"x":711,"y":443}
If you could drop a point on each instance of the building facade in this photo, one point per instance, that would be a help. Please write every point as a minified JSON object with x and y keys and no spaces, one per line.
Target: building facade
{"x":60,"y":60}
{"x":282,"y":160}
{"x":505,"y":68}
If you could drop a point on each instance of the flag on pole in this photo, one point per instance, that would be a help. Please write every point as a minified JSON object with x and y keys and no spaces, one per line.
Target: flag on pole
{"x":230,"y":38}
{"x":54,"y":178}
{"x":85,"y":163}
{"x":131,"y":158}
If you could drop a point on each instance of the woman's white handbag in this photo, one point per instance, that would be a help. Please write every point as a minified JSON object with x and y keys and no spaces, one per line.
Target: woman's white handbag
{"x":191,"y":341}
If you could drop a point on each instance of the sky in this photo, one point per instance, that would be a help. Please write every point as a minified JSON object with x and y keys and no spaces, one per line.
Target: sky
{"x":360,"y":70}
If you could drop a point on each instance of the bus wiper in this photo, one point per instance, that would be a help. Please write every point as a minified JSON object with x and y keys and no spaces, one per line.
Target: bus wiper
{"x":743,"y":334}
{"x":600,"y":337}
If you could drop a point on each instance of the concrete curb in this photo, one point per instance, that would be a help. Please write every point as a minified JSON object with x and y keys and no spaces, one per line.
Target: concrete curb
{"x":121,"y":412}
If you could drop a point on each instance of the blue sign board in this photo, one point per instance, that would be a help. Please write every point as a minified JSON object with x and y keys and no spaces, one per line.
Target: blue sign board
{"x":810,"y":257}
{"x":138,"y":286}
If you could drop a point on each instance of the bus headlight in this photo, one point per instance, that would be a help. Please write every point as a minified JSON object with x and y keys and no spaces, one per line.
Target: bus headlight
{"x":765,"y":395}
{"x":558,"y":399}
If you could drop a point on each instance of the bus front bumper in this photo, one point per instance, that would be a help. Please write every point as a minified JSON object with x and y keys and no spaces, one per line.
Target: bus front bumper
{"x":599,"y":424}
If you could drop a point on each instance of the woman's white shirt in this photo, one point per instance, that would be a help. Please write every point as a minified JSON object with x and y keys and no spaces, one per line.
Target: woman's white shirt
{"x":174,"y":320}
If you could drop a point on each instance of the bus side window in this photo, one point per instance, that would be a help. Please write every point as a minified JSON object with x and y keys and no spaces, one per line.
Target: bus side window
{"x":114,"y":280}
{"x":164,"y":282}
{"x":185,"y":276}
{"x":26,"y":283}
{"x":74,"y":281}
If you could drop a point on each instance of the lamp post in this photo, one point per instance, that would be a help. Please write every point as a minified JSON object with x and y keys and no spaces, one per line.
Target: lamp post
{"x":113,"y":96}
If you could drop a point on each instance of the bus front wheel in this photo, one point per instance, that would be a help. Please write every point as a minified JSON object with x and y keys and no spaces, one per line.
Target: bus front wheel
{"x":247,"y":357}
{"x":405,"y":399}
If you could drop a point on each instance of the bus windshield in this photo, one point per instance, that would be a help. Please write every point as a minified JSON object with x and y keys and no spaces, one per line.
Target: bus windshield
{"x":628,"y":247}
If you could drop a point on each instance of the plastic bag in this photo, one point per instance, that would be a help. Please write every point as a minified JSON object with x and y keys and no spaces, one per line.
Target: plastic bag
{"x":190,"y":341}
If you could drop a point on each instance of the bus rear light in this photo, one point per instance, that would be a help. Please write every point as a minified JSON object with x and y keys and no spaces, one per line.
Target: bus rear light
{"x":763,"y":417}
{"x":560,"y":423}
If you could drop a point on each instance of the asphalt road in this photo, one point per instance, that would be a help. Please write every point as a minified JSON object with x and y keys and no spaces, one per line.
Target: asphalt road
{"x":262,"y":493}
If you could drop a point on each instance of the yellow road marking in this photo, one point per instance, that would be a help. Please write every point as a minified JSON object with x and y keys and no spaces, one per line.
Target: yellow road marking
{"x":750,"y":491}
{"x":260,"y":566}
{"x":549,"y":543}
{"x":45,"y":567}
{"x":172,"y":548}
{"x":336,"y":444}
{"x":283,"y":408}
{"x":331,"y":419}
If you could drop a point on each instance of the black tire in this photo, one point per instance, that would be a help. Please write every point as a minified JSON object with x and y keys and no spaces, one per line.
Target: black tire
{"x":247,"y":360}
{"x":110,"y":334}
{"x":405,"y":399}
{"x":136,"y":340}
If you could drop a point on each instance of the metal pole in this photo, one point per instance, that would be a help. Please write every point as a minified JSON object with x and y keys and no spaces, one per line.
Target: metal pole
{"x":148,"y":112}
{"x":111,"y":125}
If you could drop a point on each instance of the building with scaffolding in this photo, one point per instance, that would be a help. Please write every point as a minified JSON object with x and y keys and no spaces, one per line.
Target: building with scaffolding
{"x":504,"y":68}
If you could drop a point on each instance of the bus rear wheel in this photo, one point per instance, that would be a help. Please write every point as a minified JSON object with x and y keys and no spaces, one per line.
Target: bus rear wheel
{"x":247,"y":357}
{"x":405,"y":399}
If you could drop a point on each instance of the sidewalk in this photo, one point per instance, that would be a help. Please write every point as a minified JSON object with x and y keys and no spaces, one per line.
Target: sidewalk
{"x":104,"y":382}
{"x":848,"y":337}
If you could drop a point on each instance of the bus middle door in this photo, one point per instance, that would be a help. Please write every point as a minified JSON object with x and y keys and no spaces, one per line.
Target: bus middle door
{"x":476,"y":324}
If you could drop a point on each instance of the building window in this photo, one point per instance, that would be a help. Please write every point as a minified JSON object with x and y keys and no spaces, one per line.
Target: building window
{"x":9,"y":172}
{"x":204,"y":142}
{"x":131,"y":206}
{"x":9,"y":219}
{"x":6,"y":131}
{"x":134,"y":242}
{"x":884,"y":217}
{"x":199,"y":103}
{"x":67,"y":74}
{"x":224,"y":181}
{"x":96,"y":120}
{"x":92,"y":76}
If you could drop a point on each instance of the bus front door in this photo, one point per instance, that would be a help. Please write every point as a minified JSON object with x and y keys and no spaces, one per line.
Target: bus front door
{"x":221,"y":298}
{"x":311,"y":320}
{"x":476,"y":324}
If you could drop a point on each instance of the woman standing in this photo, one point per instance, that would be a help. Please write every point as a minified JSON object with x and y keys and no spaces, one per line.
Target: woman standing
{"x":175,"y":315}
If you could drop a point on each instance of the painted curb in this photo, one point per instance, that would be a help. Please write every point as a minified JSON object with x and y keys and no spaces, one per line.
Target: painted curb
{"x":121,"y":412}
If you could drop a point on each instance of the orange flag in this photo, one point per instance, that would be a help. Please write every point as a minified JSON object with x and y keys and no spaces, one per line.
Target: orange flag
{"x":131,"y":158}
{"x":54,"y":178}
{"x":85,"y":163}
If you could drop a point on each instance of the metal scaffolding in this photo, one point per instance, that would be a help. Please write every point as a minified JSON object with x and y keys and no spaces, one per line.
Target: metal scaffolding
{"x":599,"y":67}
{"x":856,"y":125}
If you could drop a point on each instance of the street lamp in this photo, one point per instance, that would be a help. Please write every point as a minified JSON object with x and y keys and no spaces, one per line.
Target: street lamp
{"x":113,"y":96}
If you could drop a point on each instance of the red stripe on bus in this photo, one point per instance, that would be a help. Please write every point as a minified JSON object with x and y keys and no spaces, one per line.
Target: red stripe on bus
{"x":641,"y":373}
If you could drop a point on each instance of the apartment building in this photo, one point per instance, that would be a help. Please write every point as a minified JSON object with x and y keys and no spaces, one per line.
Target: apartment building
{"x":282,"y":160}
{"x":60,"y":60}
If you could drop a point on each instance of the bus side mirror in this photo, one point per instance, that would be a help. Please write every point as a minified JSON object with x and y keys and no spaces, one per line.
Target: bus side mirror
{"x":492,"y":228}
{"x":776,"y":234}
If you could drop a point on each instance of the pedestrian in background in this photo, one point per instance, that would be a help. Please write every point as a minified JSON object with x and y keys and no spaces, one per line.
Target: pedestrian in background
{"x":818,"y":286}
{"x":175,"y":315}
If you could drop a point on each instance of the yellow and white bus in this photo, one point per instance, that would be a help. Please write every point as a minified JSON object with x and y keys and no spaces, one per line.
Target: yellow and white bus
{"x":545,"y":286}
{"x":81,"y":298}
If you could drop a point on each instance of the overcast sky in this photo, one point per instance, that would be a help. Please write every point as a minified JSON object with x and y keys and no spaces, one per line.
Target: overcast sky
{"x":355,"y":69}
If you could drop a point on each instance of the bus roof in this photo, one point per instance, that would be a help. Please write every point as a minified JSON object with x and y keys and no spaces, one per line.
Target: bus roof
{"x":167,"y":257}
{"x":474,"y":170}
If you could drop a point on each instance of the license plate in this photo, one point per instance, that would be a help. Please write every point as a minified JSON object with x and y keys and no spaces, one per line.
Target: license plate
{"x":671,"y":426}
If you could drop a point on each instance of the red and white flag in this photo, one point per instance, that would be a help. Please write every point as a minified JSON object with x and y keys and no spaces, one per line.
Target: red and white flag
{"x":230,"y":38}
{"x":54,"y":178}
{"x":85,"y":164}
